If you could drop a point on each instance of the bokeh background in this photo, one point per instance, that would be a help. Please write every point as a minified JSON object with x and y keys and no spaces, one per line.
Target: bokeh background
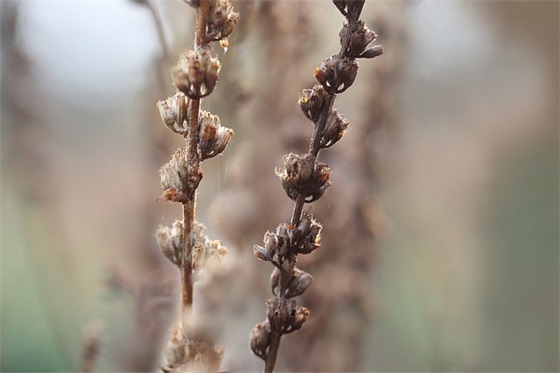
{"x":440,"y":247}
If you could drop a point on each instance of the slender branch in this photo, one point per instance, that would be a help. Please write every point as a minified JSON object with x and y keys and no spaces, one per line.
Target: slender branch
{"x":305,"y":180}
{"x":193,"y":167}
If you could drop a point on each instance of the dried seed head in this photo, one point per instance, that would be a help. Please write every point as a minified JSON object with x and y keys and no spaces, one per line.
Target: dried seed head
{"x":336,"y":74}
{"x":196,"y":73}
{"x":174,"y":177}
{"x":359,"y":39}
{"x":260,"y":339}
{"x":171,"y":241}
{"x":213,"y":137}
{"x":307,"y":235}
{"x":284,"y":315}
{"x":173,"y":112}
{"x":221,"y":20}
{"x":296,"y":173}
{"x":299,"y":282}
{"x":312,"y":101}
{"x":299,"y":176}
{"x":298,"y":318}
{"x":278,"y":313}
{"x":334,"y":130}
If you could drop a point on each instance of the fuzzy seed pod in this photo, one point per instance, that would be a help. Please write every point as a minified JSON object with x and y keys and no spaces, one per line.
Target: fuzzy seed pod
{"x":277,"y":313}
{"x":196,"y":73}
{"x":213,"y":137}
{"x":307,"y":235}
{"x":360,"y":37}
{"x":299,"y":282}
{"x":171,"y":241}
{"x":174,"y":177}
{"x":334,"y":130}
{"x":260,"y":339}
{"x":312,"y":101}
{"x":336,"y":74}
{"x":173,"y":112}
{"x":298,"y":318}
{"x":221,"y":20}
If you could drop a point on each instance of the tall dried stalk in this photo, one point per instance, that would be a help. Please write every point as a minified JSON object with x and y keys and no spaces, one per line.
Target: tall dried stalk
{"x":305,"y":180}
{"x":184,"y":244}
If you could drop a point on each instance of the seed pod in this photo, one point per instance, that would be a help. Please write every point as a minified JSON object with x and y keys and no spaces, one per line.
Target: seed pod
{"x":260,"y":339}
{"x":336,"y":74}
{"x":334,"y":130}
{"x":213,"y":137}
{"x":278,"y":313}
{"x":299,"y":317}
{"x":312,"y":101}
{"x":171,"y":241}
{"x":359,"y":38}
{"x":299,"y":282}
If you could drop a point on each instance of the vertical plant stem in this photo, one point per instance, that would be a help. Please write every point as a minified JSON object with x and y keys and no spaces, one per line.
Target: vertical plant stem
{"x":186,"y":265}
{"x":193,"y":161}
{"x":314,"y":148}
{"x":270,"y":361}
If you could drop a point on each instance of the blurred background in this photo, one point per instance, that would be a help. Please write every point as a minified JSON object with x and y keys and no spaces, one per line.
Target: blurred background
{"x":440,"y":240}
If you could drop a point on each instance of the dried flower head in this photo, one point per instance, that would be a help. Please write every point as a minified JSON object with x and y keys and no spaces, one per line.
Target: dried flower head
{"x":335,"y":128}
{"x":212,"y":136}
{"x":307,"y":235}
{"x":174,"y":177}
{"x":173,"y":112}
{"x":171,"y":241}
{"x":196,"y":73}
{"x":284,"y":316}
{"x":221,"y":20}
{"x":300,"y":175}
{"x":311,"y":102}
{"x":336,"y":74}
{"x":360,"y":37}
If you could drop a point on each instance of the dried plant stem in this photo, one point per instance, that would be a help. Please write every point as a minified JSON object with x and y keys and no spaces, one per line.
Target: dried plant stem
{"x":186,"y":265}
{"x":305,"y":180}
{"x":193,"y":167}
{"x":184,"y":244}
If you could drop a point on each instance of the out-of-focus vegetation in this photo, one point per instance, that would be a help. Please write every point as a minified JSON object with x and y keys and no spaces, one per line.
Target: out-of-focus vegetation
{"x":465,"y":274}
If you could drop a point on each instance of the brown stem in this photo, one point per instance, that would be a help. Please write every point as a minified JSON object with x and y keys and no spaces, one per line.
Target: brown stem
{"x":270,"y":361}
{"x":193,"y":166}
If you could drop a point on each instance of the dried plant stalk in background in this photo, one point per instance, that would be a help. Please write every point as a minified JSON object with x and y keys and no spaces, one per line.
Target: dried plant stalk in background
{"x":184,"y":244}
{"x":305,"y":180}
